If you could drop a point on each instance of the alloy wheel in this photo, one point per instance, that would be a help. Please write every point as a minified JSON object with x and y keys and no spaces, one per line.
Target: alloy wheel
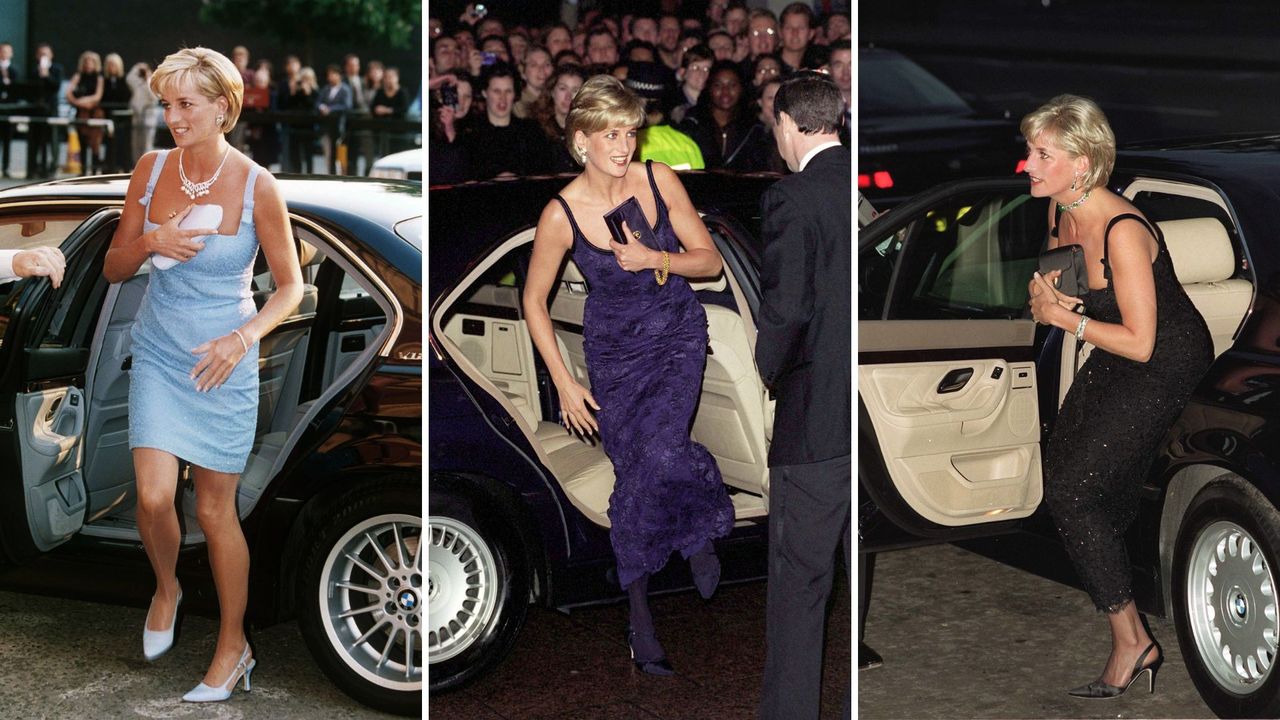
{"x":371,"y":598}
{"x":462,"y":587}
{"x":1231,"y":600}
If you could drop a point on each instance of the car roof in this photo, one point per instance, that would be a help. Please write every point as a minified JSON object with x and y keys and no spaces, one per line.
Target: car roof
{"x":382,"y":202}
{"x":468,"y":218}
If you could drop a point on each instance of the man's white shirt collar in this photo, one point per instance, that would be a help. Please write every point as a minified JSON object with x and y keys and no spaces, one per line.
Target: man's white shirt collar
{"x":804,"y":162}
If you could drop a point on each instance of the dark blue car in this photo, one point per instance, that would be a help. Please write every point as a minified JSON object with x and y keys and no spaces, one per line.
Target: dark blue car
{"x":517,"y":505}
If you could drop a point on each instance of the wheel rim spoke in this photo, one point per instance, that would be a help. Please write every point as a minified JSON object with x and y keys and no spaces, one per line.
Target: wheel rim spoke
{"x":357,"y":588}
{"x":377,"y":549}
{"x":359,"y":611}
{"x":364,"y":567}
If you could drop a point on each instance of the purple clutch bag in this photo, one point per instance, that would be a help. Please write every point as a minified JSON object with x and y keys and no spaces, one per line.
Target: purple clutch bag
{"x":629,"y":211}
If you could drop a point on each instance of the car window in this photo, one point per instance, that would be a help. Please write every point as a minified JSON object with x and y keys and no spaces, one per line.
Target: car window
{"x":889,"y":84}
{"x":970,"y":256}
{"x":25,"y":231}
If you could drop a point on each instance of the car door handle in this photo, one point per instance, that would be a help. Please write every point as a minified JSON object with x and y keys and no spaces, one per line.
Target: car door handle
{"x":955,"y":380}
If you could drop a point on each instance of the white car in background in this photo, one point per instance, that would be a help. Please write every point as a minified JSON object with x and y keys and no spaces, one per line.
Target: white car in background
{"x":405,"y":165}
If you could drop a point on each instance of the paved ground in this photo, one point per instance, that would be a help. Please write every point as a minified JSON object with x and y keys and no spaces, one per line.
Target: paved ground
{"x":74,"y":659}
{"x":577,"y":667}
{"x":966,"y":637}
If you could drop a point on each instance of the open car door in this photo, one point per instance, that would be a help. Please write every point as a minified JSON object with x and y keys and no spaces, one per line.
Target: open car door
{"x":948,"y":394}
{"x":45,"y":335}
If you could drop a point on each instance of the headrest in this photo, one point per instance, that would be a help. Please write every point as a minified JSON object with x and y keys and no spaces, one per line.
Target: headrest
{"x":1200,"y":248}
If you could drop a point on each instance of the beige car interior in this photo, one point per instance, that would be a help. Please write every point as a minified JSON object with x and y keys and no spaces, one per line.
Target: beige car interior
{"x":961,"y":439}
{"x":734,"y":417}
{"x":963,"y":456}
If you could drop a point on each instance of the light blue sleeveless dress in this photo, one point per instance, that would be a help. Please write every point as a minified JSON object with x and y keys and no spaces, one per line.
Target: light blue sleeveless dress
{"x":184,"y":307}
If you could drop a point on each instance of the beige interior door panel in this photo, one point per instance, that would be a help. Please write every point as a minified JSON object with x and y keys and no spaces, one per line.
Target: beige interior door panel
{"x":500,"y":349}
{"x":961,"y":457}
{"x":734,"y":407}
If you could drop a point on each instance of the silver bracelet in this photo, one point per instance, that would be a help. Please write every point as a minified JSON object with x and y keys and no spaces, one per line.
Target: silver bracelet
{"x":1084,"y":320}
{"x":246,"y":345}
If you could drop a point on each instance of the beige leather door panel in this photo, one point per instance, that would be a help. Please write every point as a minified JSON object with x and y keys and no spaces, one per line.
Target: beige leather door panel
{"x":960,"y":438}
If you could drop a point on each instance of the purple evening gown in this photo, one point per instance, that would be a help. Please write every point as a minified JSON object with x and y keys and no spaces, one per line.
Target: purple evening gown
{"x":646,"y":348}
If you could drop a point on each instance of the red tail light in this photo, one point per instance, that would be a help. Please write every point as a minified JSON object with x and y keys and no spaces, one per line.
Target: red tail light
{"x":881,"y":179}
{"x":1022,"y":165}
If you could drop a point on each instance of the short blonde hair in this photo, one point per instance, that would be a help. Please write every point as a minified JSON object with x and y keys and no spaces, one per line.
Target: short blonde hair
{"x":602,"y":102}
{"x":213,"y":75}
{"x":113,"y":61}
{"x":1080,"y":128}
{"x":89,"y":56}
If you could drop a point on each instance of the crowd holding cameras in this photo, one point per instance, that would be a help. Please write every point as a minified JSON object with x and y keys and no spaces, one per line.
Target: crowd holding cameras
{"x":500,"y":90}
{"x":349,"y":118}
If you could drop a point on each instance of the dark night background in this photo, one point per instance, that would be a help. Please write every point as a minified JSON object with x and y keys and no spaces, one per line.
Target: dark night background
{"x":1158,"y":69}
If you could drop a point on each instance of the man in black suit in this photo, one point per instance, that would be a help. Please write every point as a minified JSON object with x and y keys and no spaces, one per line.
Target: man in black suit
{"x":9,"y":81}
{"x":803,"y":352}
{"x":48,"y":79}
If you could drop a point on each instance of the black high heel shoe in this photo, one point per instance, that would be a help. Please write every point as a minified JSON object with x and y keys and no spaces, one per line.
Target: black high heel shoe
{"x":1098,"y":690}
{"x":651,"y":667}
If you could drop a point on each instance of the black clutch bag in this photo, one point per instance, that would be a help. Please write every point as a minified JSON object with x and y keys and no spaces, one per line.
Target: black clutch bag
{"x":629,"y":211}
{"x":1074,"y":280}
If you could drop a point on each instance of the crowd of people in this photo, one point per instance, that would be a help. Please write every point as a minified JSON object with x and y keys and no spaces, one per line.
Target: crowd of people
{"x":289,"y":117}
{"x":500,"y":90}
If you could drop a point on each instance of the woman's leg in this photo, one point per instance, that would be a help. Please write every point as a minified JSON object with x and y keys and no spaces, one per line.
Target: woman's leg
{"x":229,"y":557}
{"x":156,"y":474}
{"x":643,"y":637}
{"x":1128,"y":640}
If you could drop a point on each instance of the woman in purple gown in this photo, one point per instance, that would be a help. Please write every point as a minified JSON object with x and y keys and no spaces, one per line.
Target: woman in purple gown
{"x":645,"y":337}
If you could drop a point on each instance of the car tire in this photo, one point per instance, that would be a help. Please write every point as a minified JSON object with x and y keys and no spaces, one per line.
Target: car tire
{"x":479,"y":585}
{"x":359,"y":595}
{"x":1224,"y":598}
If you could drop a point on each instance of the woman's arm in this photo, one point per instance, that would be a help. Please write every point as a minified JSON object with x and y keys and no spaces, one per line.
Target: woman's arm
{"x":130,"y":246}
{"x":71,"y":87}
{"x":551,"y":241}
{"x":271,"y":220}
{"x":96,"y":98}
{"x":1134,"y":337}
{"x":700,"y":258}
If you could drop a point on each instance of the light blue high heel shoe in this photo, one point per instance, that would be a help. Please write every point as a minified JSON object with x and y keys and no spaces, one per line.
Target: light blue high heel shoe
{"x":206,"y":693}
{"x":158,"y":642}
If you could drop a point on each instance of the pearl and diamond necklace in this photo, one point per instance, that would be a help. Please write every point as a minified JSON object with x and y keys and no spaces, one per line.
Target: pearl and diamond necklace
{"x":199,"y":189}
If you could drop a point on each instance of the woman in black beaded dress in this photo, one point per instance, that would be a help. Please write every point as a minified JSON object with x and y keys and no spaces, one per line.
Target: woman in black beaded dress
{"x":1151,"y":349}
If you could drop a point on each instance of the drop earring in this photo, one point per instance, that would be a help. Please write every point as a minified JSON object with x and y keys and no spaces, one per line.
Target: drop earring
{"x":1075,"y":181}
{"x":582,"y":155}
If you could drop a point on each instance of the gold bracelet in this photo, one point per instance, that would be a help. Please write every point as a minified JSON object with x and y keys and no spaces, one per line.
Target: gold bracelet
{"x":661,"y":275}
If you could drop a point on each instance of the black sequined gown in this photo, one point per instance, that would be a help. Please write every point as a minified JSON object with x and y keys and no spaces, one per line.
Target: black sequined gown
{"x":1110,"y":426}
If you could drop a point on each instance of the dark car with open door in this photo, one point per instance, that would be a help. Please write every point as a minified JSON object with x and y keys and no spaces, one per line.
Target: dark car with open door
{"x":330,"y":500}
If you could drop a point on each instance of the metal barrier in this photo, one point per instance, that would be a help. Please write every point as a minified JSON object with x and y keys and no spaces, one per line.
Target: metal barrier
{"x":363,"y":135}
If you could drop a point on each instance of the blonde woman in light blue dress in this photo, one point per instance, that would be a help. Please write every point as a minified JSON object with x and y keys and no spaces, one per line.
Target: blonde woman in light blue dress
{"x":193,"y":392}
